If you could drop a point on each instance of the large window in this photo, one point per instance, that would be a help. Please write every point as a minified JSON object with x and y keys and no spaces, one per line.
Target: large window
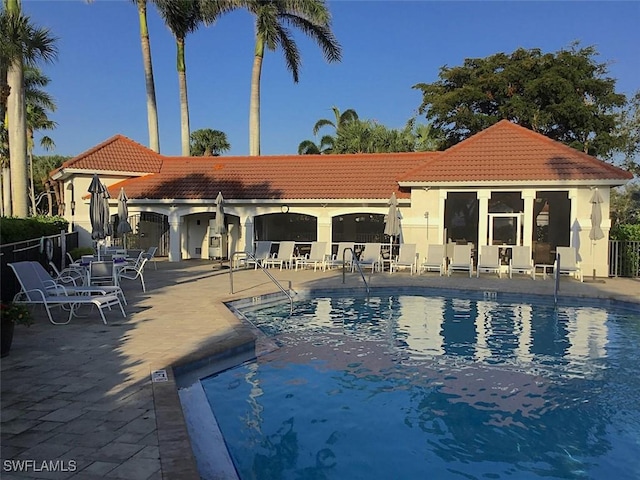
{"x":278,"y":227}
{"x":358,"y":228}
{"x":461,"y":217}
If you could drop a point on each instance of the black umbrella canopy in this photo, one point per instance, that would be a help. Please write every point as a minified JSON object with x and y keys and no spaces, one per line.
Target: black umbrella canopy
{"x":123,"y":213}
{"x":97,"y":209}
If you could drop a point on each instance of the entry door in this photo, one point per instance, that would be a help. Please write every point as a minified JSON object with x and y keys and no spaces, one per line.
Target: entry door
{"x":505,"y":229}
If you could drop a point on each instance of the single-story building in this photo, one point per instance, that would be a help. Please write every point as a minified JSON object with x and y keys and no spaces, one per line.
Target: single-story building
{"x":506,"y":185}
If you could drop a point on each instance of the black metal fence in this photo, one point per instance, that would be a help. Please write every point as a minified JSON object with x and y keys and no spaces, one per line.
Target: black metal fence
{"x":624,"y":259}
{"x":51,"y":248}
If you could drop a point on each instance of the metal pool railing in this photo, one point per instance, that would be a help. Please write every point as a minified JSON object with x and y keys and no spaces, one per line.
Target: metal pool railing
{"x":355,"y":261}
{"x":273,"y":279}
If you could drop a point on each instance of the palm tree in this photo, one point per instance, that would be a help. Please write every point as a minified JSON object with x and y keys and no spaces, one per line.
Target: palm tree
{"x":341,"y":119}
{"x":152,"y":107}
{"x":272,"y":17}
{"x":182,"y":17}
{"x":22,"y":44}
{"x":38,"y":103}
{"x":207,"y":142}
{"x":327,"y":142}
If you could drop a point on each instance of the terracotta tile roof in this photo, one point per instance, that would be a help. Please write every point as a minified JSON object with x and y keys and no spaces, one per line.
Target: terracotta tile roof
{"x":366,"y":176}
{"x":506,"y":151}
{"x":118,"y":153}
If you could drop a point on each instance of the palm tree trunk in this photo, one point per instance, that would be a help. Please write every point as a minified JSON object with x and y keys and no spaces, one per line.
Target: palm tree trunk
{"x":152,"y":107}
{"x":7,"y":211}
{"x":17,"y":130}
{"x":184,"y":102}
{"x":254,"y":108}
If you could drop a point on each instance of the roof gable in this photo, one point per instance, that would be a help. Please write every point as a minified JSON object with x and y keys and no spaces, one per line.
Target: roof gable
{"x":118,"y":153}
{"x":508,"y":152}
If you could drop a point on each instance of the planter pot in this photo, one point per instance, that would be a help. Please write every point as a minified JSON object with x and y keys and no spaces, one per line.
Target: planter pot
{"x":6,"y":337}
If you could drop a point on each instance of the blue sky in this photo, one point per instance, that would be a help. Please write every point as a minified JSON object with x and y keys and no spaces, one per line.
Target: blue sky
{"x":388,"y":46}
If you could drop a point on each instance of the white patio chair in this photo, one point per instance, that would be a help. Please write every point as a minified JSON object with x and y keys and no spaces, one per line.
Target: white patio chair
{"x":407,"y":257}
{"x":316,"y":257}
{"x":336,"y":260}
{"x":461,"y":260}
{"x":34,"y":292}
{"x":569,"y":263}
{"x":489,"y":260}
{"x":521,"y":261}
{"x":150,"y":254}
{"x":283,"y":257}
{"x":370,"y":256}
{"x":133,"y":272}
{"x":58,"y":284}
{"x":261,"y":253}
{"x":435,"y":259}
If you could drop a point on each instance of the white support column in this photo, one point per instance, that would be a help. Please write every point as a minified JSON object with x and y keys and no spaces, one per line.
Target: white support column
{"x":483,"y":217}
{"x":529,"y":196}
{"x":246,"y":223}
{"x":175,"y":237}
{"x":441,"y":236}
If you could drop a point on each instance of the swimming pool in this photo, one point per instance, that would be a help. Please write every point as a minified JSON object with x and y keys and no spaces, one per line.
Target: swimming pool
{"x":456,"y":386}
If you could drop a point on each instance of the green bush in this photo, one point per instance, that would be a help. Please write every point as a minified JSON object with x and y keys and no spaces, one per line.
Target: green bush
{"x":18,"y":229}
{"x":625,"y":232}
{"x":77,"y":252}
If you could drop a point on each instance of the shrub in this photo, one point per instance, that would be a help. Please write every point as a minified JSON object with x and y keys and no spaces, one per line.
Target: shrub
{"x":77,"y":252}
{"x":14,"y":229}
{"x":625,"y":232}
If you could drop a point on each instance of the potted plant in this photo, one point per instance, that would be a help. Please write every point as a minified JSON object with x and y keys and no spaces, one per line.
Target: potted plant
{"x":11,"y":314}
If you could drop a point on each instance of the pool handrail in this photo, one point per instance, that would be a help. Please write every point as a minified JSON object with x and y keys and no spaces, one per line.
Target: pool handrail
{"x":354,"y":261}
{"x":556,"y":287}
{"x":259,"y":264}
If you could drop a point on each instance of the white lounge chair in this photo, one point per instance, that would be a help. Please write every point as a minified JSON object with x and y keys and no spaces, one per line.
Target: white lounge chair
{"x":59,"y":285}
{"x":345,"y":251}
{"x":407,"y":257}
{"x":34,"y":292}
{"x":521,"y":261}
{"x":370,"y":256}
{"x":489,"y":260}
{"x":316,"y":257}
{"x":261,"y":253}
{"x":569,"y":263}
{"x":435,"y":259}
{"x":461,"y":260}
{"x":283,"y":257}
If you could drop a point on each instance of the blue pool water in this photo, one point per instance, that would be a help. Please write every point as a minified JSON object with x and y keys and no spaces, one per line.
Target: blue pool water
{"x":408,"y":387}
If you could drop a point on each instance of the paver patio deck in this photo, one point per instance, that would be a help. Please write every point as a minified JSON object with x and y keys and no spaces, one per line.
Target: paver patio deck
{"x":81,"y":394}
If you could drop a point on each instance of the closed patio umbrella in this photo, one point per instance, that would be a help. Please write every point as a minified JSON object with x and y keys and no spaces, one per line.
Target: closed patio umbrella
{"x":596,"y":216}
{"x":98,"y":214}
{"x":392,"y":222}
{"x":596,"y":232}
{"x":124,"y":226}
{"x":220,"y":228}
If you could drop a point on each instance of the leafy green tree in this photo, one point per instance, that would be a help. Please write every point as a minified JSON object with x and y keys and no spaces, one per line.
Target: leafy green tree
{"x":566,"y":96}
{"x":629,"y":135}
{"x":625,"y":205}
{"x":272,"y":19}
{"x":21,"y":43}
{"x":207,"y":142}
